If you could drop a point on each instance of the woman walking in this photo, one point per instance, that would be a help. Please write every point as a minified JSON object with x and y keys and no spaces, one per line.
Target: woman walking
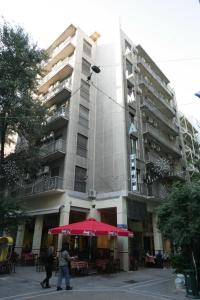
{"x":48,"y":262}
{"x":64,"y":260}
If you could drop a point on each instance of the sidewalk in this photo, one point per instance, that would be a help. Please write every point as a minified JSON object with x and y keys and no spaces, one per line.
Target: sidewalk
{"x":144,"y":284}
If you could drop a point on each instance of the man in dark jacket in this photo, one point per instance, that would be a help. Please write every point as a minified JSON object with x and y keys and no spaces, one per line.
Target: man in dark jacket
{"x":48,"y":262}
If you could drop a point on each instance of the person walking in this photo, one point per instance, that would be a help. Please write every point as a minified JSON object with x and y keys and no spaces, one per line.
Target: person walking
{"x":48,"y":262}
{"x":64,"y":259}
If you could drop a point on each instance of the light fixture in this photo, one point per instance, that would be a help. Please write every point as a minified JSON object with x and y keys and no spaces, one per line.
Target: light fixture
{"x":96,"y":70}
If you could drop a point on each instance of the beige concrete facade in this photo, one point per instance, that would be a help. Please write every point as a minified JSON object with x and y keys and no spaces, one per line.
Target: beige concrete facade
{"x":106,"y":133}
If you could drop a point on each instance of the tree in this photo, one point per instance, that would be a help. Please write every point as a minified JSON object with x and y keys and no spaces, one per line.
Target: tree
{"x":21,"y":112}
{"x":179,"y":217}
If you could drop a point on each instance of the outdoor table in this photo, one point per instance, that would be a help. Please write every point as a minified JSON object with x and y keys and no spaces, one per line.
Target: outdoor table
{"x":102,"y":264}
{"x":78,"y":266}
{"x":150,"y":259}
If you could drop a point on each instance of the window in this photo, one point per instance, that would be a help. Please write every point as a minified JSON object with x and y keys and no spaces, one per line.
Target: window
{"x":80,"y":179}
{"x":85,"y":90}
{"x":131,"y":118}
{"x":133,"y":146}
{"x":127,"y":48}
{"x":82,"y":145}
{"x":87,"y":48}
{"x":83,"y":116}
{"x":85,"y":67}
{"x":129,"y":68}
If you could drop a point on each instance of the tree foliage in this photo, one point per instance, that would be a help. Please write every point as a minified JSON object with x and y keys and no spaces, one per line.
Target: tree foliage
{"x":179,"y":219}
{"x":21,"y":112}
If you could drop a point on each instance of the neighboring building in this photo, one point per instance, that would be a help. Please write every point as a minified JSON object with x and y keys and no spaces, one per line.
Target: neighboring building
{"x":106,"y":134}
{"x":190,"y":143}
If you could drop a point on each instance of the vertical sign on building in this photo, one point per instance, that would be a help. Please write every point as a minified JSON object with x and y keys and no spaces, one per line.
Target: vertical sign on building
{"x":133,"y":172}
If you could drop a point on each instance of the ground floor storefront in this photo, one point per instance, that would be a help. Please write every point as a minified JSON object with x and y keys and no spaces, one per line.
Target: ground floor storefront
{"x":137,"y":216}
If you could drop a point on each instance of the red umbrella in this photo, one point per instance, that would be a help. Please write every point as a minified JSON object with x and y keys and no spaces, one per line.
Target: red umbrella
{"x":91,"y":227}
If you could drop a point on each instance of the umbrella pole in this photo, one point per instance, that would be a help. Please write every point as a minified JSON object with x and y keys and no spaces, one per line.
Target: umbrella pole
{"x":90,"y":248}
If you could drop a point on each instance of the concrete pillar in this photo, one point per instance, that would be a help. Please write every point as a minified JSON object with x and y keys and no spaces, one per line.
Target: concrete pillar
{"x":19,"y":239}
{"x":158,"y":242}
{"x":37,"y":235}
{"x":122,"y":242}
{"x":64,"y":220}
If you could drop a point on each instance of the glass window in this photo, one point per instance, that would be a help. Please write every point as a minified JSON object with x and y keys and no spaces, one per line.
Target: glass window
{"x":82,"y":145}
{"x":80,"y":179}
{"x":87,"y":48}
{"x":133,"y":142}
{"x":85,"y":90}
{"x":127,"y":48}
{"x":129,"y":68}
{"x":83,"y":116}
{"x":85,"y":67}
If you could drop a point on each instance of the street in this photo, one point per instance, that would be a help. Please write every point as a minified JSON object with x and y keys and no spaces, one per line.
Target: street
{"x":144,"y":284}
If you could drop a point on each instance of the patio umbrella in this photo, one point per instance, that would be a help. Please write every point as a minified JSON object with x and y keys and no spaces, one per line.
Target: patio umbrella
{"x":91,"y":227}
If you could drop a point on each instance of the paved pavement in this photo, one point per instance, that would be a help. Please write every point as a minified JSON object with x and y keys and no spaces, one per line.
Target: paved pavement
{"x":144,"y":284}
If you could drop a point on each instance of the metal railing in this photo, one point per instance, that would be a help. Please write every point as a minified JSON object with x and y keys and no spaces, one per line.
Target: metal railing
{"x":159,"y":80}
{"x":59,"y":86}
{"x":44,"y":184}
{"x":161,"y":138}
{"x":61,"y":112}
{"x":157,"y":95}
{"x":161,"y":116}
{"x":55,"y":70}
{"x":52,"y":147}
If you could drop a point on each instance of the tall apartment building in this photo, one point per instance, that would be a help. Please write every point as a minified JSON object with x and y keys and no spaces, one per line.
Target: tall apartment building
{"x":106,"y":133}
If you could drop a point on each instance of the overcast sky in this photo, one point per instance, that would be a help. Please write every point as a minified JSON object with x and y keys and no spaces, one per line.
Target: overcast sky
{"x":168,"y":31}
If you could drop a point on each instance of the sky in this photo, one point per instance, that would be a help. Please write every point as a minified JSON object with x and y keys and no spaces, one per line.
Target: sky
{"x":167,"y":30}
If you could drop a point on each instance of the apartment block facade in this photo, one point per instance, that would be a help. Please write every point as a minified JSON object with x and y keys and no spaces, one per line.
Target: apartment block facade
{"x":110,"y":134}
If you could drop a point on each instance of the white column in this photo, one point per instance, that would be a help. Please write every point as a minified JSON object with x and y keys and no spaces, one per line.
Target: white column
{"x":122,"y":242}
{"x":64,"y":220}
{"x":19,"y":239}
{"x":158,"y":243}
{"x":37,"y":236}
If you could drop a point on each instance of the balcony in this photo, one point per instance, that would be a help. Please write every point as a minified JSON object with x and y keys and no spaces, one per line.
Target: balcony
{"x":59,"y":72}
{"x":151,"y":158}
{"x":57,"y":92}
{"x":53,"y":150}
{"x":154,"y":134}
{"x":45,"y":186}
{"x":63,"y":50}
{"x":160,"y":101}
{"x":59,"y":119}
{"x":167,"y":124}
{"x":146,"y":67}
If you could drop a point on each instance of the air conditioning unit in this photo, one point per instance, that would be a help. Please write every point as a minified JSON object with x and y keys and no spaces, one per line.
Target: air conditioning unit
{"x":92,"y":194}
{"x":46,"y":170}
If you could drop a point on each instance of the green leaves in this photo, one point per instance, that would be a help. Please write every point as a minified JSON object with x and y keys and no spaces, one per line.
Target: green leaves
{"x":179,"y":214}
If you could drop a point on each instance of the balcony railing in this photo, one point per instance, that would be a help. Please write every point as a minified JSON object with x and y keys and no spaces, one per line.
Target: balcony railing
{"x":53,"y":147}
{"x":157,"y":95}
{"x":61,"y":47}
{"x":44,"y":185}
{"x":62,"y":112}
{"x":56,"y":69}
{"x":161,"y":116}
{"x":155,"y":76}
{"x":56,"y":88}
{"x":161,"y":138}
